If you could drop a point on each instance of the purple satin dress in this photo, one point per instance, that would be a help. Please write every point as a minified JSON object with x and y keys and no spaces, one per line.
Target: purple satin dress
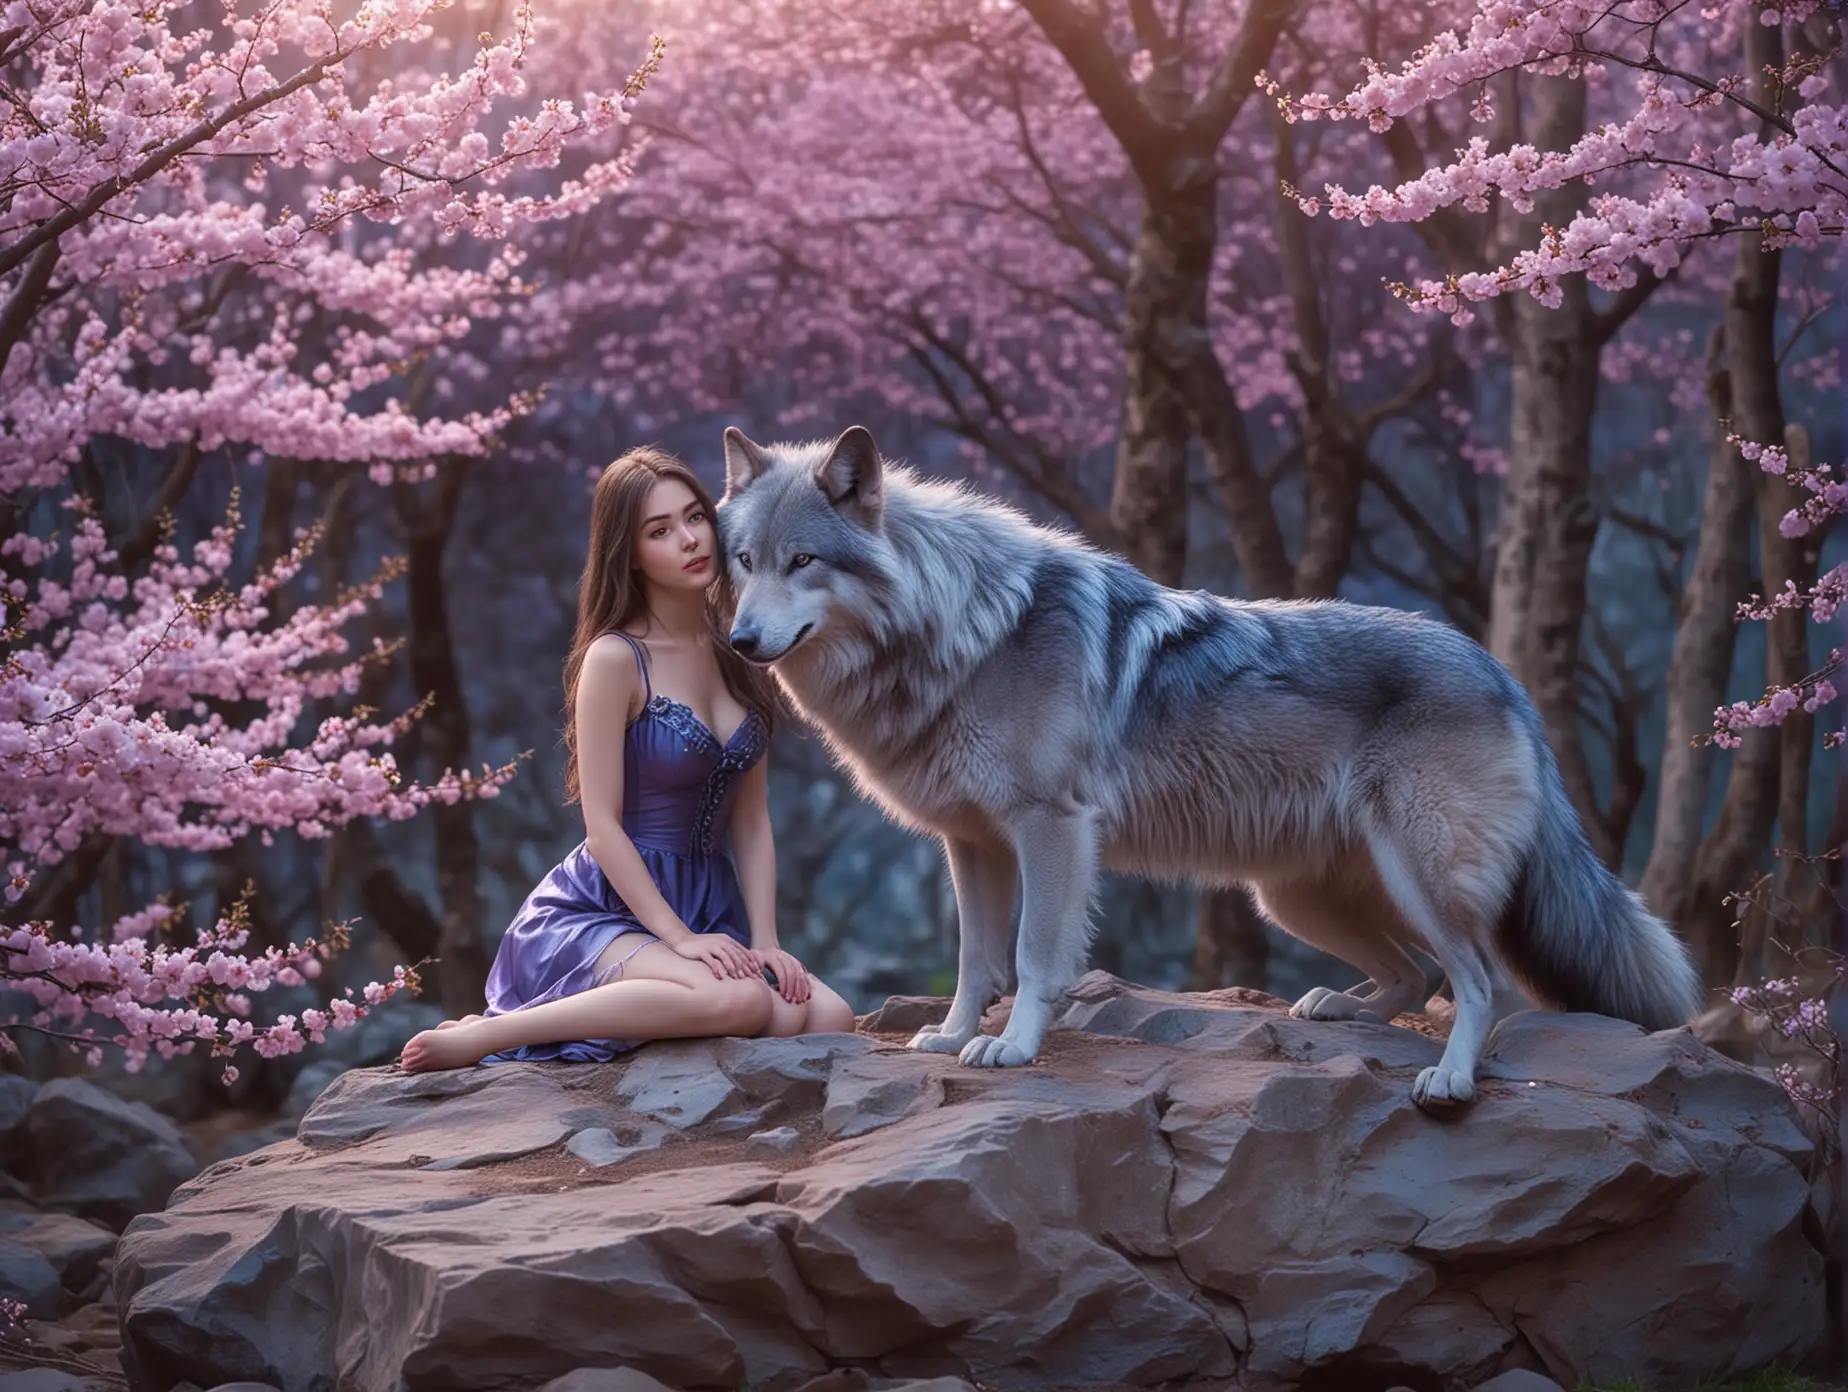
{"x":679,"y":783}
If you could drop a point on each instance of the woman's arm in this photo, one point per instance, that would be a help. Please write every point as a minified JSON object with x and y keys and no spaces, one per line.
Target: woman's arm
{"x":754,"y":850}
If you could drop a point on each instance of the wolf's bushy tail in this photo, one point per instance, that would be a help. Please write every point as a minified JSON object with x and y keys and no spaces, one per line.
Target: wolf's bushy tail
{"x":1578,"y":938}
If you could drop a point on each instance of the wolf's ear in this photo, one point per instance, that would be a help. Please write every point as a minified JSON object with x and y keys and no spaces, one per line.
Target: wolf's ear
{"x":744,"y":461}
{"x":853,"y":476}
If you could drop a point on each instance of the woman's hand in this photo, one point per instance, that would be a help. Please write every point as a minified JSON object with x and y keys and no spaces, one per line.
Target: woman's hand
{"x":719,"y":951}
{"x":792,"y":978}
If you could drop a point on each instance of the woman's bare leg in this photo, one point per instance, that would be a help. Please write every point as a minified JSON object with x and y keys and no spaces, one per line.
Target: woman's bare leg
{"x":824,"y":1012}
{"x":660,"y":996}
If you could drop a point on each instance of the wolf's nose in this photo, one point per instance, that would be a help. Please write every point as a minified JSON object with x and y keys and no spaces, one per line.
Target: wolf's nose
{"x":746,"y":644}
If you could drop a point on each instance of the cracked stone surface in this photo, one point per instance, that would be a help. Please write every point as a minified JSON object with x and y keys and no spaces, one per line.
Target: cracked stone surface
{"x":1184,"y":1189}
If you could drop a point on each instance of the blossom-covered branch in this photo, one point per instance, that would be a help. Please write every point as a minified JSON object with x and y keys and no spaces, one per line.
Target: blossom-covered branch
{"x":1690,"y":156}
{"x":235,"y":238}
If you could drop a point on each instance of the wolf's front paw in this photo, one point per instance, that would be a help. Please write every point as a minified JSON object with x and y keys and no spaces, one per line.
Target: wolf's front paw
{"x":1324,"y":1004}
{"x":989,"y":1051}
{"x":1438,"y":1089}
{"x":932,"y":1040}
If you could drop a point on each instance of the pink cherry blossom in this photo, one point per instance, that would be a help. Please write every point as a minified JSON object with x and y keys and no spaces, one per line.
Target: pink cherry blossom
{"x":260,"y":234}
{"x":1688,"y":152}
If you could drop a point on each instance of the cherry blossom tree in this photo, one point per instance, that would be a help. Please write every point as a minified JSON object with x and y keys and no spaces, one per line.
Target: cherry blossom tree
{"x":1056,"y":233}
{"x":265,"y":238}
{"x":1720,"y":124}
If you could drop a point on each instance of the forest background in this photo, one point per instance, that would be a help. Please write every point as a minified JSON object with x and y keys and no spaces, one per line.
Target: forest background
{"x":317,"y":322}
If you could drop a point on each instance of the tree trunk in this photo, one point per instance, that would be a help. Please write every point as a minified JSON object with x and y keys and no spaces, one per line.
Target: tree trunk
{"x":55,"y":892}
{"x":1770,"y":772}
{"x":353,"y":853}
{"x":275,"y":529}
{"x":443,"y":735}
{"x":1148,"y":496}
{"x":1702,"y":660}
{"x":1751,"y":336}
{"x":1230,"y":946}
{"x":1334,"y":459}
{"x":1547,"y":525}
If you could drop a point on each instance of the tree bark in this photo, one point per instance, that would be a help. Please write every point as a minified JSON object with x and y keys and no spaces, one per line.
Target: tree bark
{"x":140,"y":544}
{"x":282,"y":486}
{"x":443,"y":736}
{"x":23,"y":305}
{"x":1148,"y":495}
{"x":1230,"y":945}
{"x":1758,"y":415}
{"x":1769,"y":785}
{"x":55,"y":893}
{"x":353,"y":852}
{"x":1701,"y":662}
{"x":1334,"y":459}
{"x":1547,"y":526}
{"x":1769,"y":780}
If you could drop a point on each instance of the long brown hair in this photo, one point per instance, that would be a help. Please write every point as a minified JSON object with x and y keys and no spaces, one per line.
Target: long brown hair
{"x":610,"y":594}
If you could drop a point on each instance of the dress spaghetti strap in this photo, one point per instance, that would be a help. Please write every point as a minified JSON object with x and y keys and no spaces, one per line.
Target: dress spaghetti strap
{"x":641,"y":661}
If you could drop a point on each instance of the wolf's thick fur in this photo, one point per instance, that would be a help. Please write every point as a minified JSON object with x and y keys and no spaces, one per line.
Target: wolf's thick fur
{"x":1379,"y":780}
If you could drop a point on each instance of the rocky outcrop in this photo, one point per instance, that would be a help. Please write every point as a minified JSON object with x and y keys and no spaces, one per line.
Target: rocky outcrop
{"x":91,"y":1153}
{"x":1182,"y":1188}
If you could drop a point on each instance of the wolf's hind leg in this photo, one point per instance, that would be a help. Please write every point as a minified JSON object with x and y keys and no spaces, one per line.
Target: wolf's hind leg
{"x":1462,"y":947}
{"x":985,"y":875}
{"x":1363,"y":929}
{"x":1058,"y":852}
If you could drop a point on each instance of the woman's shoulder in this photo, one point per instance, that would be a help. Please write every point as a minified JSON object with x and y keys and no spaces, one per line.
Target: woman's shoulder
{"x":616,"y":665}
{"x":613,"y":652}
{"x":614,"y":645}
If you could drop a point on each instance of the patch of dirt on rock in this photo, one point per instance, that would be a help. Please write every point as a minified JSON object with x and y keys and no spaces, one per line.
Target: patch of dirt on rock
{"x":1058,"y":1044}
{"x":556,"y":1169}
{"x":1439,"y":1015}
{"x":1246,"y":997}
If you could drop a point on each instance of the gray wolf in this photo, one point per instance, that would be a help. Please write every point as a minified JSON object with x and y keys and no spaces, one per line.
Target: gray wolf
{"x":1376,"y":777}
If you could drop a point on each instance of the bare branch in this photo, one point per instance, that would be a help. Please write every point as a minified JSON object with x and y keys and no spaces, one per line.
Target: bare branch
{"x":1234,"y":80}
{"x":1085,"y":47}
{"x":26,"y":298}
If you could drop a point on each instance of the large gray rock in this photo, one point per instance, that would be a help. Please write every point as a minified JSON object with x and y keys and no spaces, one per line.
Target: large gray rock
{"x":16,"y":1096}
{"x":1183,"y":1188}
{"x":235,"y":1143}
{"x":51,"y":1380}
{"x":605,"y":1380}
{"x":310,"y":1083}
{"x":96,"y":1155}
{"x":74,"y":1246}
{"x":1520,"y":1380}
{"x":27,"y":1277}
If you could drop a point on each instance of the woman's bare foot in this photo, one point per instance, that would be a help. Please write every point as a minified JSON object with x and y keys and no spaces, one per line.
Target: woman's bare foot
{"x":442,"y":1048}
{"x":465,"y":1020}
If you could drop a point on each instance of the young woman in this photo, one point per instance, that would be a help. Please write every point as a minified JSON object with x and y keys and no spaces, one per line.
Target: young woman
{"x":649,"y":929}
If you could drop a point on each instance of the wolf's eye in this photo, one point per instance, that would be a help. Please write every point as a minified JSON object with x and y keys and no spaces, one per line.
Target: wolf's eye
{"x":797,"y":561}
{"x":744,"y":559}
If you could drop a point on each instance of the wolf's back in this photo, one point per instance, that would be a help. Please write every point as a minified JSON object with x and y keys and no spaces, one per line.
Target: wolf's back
{"x":1577,"y":937}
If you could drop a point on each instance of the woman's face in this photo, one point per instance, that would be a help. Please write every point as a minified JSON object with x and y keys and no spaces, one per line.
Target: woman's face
{"x":676,"y":545}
